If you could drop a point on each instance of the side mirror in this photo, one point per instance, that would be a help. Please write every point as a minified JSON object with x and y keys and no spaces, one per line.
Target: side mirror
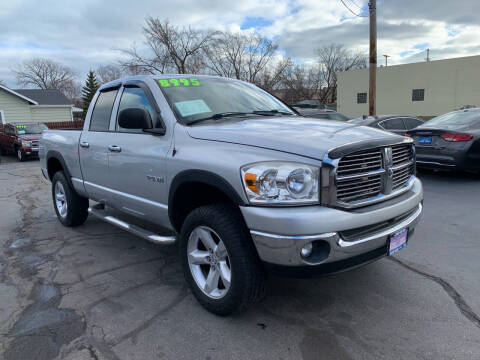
{"x":135,"y":118}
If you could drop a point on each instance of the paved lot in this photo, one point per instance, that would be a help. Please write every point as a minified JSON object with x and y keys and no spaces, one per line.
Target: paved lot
{"x":95,"y":292}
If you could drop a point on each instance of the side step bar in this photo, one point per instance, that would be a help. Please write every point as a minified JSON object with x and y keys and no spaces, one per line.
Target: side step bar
{"x":98,"y":210}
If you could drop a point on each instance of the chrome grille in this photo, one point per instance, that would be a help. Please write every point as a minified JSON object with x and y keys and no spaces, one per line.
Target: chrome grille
{"x":355,"y":179}
{"x":401,"y":154}
{"x":360,"y":162}
{"x":372,"y":173}
{"x":403,"y":167}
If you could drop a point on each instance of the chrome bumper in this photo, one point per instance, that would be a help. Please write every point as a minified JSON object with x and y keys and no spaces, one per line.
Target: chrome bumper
{"x":285,"y":248}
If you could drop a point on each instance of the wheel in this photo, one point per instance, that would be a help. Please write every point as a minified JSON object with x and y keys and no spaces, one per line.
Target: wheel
{"x":71,"y":208}
{"x":219,"y":260}
{"x":20,"y":155}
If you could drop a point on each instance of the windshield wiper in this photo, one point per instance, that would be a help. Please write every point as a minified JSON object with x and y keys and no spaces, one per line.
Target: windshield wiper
{"x":272,"y":112}
{"x":219,"y":116}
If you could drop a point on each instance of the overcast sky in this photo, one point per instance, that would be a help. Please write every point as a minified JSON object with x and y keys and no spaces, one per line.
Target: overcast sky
{"x":85,"y":34}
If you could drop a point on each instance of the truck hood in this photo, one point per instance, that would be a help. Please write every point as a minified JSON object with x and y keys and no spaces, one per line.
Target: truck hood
{"x":297,"y":135}
{"x":30,"y":137}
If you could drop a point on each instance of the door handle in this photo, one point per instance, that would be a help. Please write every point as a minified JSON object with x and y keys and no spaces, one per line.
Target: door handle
{"x":84,"y":144}
{"x":114,"y":148}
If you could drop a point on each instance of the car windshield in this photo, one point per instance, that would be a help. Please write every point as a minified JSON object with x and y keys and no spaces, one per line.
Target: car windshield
{"x":454,"y":118}
{"x":30,"y":128}
{"x":197,"y":99}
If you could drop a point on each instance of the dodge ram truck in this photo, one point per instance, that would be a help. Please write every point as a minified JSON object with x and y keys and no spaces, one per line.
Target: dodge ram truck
{"x":21,"y":139}
{"x":244,"y":184}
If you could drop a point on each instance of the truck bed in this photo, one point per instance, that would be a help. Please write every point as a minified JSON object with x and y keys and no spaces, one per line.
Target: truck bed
{"x":64,"y":142}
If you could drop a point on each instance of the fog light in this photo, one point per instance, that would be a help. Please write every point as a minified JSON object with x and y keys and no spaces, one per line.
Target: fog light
{"x":307,"y":250}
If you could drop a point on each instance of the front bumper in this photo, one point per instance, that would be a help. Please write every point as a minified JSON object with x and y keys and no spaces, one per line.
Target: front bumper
{"x":33,"y":151}
{"x":279,"y":234}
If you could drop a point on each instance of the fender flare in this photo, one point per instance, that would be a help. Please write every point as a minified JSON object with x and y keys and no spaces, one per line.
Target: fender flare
{"x":205,"y":177}
{"x":53,"y":154}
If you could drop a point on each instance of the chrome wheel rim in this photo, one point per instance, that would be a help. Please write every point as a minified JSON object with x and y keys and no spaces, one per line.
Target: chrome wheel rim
{"x":209,"y":262}
{"x":60,"y":199}
{"x":19,"y":154}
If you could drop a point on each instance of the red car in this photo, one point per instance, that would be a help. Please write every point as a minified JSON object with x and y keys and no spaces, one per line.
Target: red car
{"x":21,"y":139}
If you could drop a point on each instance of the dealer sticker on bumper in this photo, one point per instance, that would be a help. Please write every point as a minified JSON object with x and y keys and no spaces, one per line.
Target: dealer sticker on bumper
{"x":398,"y":241}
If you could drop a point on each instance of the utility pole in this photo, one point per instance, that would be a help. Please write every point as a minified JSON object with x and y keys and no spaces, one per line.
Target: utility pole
{"x":372,"y":88}
{"x":386,"y":59}
{"x":428,"y":55}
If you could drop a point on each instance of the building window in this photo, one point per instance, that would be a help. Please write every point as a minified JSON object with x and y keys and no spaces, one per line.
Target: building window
{"x":361,"y":98}
{"x":418,"y":94}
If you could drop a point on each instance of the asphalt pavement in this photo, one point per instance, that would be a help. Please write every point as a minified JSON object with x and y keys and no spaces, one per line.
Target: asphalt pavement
{"x":96,"y":292}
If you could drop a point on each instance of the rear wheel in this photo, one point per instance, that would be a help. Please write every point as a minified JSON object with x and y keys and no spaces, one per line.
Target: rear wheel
{"x":219,"y":260}
{"x":71,"y":208}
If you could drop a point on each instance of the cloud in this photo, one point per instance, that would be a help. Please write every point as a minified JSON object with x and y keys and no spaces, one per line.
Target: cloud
{"x":88,"y":33}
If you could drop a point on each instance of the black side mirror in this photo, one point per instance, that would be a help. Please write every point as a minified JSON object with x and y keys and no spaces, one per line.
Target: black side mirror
{"x":135,"y":118}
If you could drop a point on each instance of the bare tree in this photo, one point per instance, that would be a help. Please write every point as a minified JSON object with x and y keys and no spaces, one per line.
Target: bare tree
{"x":180,"y":49}
{"x":107,"y":73}
{"x":240,"y":56}
{"x":46,"y":74}
{"x":274,"y":76}
{"x":332,"y":59}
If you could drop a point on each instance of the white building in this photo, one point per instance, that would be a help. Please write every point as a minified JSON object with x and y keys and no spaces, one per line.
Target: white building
{"x":423,"y":89}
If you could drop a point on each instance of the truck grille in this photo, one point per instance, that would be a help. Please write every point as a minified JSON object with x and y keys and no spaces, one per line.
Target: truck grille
{"x":354,"y":181}
{"x":402,"y":155}
{"x":370,"y":173}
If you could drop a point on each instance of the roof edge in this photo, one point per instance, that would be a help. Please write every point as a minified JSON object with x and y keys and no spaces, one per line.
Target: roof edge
{"x":19,"y":95}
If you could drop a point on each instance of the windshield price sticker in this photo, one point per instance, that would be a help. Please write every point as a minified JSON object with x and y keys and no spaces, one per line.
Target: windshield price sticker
{"x":178,"y":82}
{"x":21,"y":126}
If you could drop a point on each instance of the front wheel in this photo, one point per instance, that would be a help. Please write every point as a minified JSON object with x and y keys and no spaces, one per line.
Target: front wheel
{"x":71,"y":208}
{"x":20,"y":155}
{"x":219,"y":260}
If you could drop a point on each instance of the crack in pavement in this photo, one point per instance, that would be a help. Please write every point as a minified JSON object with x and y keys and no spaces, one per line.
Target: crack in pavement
{"x":458,"y":299}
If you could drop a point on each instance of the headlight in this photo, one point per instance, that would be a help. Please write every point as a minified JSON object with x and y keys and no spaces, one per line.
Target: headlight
{"x":26,"y":144}
{"x":281,"y":183}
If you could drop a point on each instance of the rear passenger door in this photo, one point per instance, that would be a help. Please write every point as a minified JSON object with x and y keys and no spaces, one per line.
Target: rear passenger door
{"x":93,"y":148}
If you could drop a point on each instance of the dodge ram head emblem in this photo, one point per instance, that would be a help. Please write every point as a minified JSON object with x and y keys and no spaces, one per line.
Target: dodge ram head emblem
{"x":387,"y":165}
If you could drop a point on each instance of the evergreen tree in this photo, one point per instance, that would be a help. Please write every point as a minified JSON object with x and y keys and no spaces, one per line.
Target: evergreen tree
{"x":88,"y":91}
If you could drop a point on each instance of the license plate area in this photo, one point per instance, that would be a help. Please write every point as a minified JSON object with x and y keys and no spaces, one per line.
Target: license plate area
{"x":397,"y":241}
{"x":425,"y":140}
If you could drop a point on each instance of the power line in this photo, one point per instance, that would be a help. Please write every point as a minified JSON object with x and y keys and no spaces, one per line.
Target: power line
{"x":354,"y":3}
{"x":353,"y":12}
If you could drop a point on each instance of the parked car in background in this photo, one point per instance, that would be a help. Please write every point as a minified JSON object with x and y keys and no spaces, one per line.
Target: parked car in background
{"x":398,"y":124}
{"x":310,"y":104}
{"x":243,"y":186}
{"x":21,"y":139}
{"x":321,"y":114}
{"x":449,"y":141}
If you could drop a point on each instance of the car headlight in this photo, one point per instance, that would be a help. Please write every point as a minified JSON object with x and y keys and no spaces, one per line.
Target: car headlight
{"x":281,"y":183}
{"x":26,"y":144}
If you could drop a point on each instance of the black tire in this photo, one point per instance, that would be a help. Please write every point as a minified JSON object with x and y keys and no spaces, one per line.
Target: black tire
{"x":20,"y":155}
{"x":77,"y":206}
{"x":248,"y":276}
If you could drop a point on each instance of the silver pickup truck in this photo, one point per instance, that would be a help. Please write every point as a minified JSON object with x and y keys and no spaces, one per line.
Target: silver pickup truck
{"x":244,"y":184}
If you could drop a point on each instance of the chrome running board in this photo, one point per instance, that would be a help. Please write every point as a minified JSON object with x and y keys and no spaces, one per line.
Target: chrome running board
{"x":98,"y":210}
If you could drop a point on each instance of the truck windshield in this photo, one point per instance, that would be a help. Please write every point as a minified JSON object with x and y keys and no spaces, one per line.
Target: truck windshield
{"x":30,"y":129}
{"x":197,"y":99}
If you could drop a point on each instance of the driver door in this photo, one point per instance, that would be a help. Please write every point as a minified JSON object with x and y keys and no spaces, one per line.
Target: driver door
{"x":137,"y":161}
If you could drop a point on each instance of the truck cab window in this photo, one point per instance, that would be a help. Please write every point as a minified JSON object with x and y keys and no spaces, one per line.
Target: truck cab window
{"x":100,"y":119}
{"x":134,"y":97}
